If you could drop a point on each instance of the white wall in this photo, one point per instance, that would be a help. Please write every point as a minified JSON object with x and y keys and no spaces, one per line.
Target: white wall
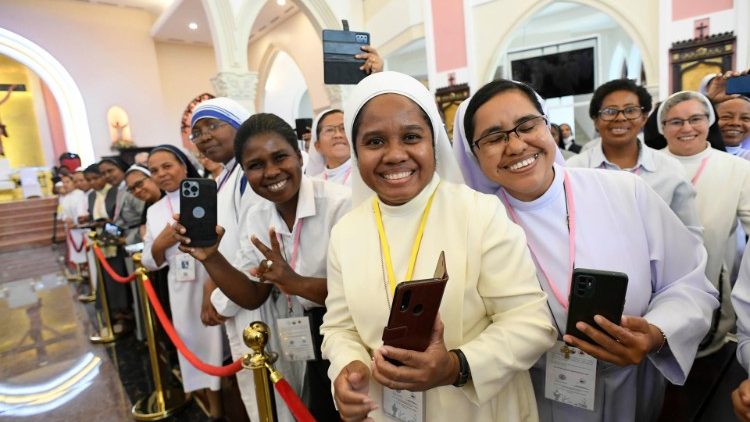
{"x":110,"y":55}
{"x":185,"y":71}
{"x":284,"y":88}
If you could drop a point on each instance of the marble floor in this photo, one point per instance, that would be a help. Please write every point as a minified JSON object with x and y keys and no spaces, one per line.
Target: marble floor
{"x":49,"y":370}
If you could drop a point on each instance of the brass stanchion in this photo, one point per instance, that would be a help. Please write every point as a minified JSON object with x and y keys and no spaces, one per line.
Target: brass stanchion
{"x":163,"y":401}
{"x":92,"y":288}
{"x":255,"y":337}
{"x":106,"y":333}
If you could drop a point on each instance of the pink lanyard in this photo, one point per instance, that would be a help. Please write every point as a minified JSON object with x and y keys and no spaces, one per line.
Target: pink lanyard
{"x":118,"y":204}
{"x":169,"y":205}
{"x":226,"y":177}
{"x":295,"y":252}
{"x":698,"y":173}
{"x":346,"y":175}
{"x":570,"y":205}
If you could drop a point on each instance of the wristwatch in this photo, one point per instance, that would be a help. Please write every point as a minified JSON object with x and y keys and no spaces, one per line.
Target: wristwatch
{"x":464,"y":372}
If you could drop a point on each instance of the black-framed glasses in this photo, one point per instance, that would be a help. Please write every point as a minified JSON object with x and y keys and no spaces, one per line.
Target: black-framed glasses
{"x":501,"y":137}
{"x":694,"y":120}
{"x":630,"y":113}
{"x":212,"y":127}
{"x":137,"y":185}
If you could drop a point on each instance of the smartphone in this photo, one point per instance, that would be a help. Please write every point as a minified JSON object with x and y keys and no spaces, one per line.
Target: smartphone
{"x":415,"y":306}
{"x":739,"y":85}
{"x":595,"y":292}
{"x":112,"y":230}
{"x":339,"y":48}
{"x":198,"y":211}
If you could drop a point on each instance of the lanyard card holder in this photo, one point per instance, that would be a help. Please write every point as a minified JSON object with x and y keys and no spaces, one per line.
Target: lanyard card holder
{"x":339,"y":48}
{"x":415,"y":306}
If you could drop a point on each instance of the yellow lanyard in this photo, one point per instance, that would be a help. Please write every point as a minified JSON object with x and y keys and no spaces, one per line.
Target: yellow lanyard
{"x":414,"y":248}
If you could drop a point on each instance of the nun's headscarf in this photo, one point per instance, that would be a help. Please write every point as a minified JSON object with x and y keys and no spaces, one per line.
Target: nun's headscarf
{"x":181,"y":157}
{"x":679,"y":97}
{"x":398,"y":83}
{"x":138,"y":168}
{"x":222,"y":108}
{"x":117,"y":162}
{"x":467,"y":161}
{"x":317,"y":163}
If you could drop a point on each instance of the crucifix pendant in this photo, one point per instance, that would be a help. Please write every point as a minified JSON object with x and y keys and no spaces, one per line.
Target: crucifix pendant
{"x":567,"y":351}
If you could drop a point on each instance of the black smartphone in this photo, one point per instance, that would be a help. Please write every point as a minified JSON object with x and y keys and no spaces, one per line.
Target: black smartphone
{"x":113,"y":230}
{"x":413,"y":311}
{"x":738,"y":85}
{"x":339,"y":48}
{"x":198,"y":210}
{"x":595,"y":292}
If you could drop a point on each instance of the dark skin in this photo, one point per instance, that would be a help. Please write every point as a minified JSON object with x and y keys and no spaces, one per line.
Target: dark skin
{"x":273,"y":169}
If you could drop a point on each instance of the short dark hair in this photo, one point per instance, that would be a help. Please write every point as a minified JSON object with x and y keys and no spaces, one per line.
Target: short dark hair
{"x":358,"y":120}
{"x":263,"y":123}
{"x":318,"y":127}
{"x":93,"y":169}
{"x":644,"y":98}
{"x":489,"y":91}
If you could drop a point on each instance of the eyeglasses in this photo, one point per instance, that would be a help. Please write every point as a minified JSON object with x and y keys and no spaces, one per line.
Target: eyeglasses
{"x":197,"y":134}
{"x":611,"y":113}
{"x":695,"y":120}
{"x":331,"y":129}
{"x":137,"y":185}
{"x":500,"y":137}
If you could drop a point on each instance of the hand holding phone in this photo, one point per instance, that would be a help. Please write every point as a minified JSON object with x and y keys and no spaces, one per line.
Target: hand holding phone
{"x":198,"y":211}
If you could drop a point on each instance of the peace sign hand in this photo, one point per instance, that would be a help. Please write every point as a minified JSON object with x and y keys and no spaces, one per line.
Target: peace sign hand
{"x":274,"y":268}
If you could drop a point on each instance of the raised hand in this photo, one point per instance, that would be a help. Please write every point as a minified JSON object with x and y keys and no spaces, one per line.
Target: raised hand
{"x":373,"y":61}
{"x":626,"y":344}
{"x":350,"y":390}
{"x":420,"y":371}
{"x":274,"y":268}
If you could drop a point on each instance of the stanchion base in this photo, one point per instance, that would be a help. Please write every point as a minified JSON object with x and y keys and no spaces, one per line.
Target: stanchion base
{"x":148,"y":408}
{"x":86,"y":298}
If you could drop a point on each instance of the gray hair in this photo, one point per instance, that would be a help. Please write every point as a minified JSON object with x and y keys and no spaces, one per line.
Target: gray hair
{"x":682,"y":96}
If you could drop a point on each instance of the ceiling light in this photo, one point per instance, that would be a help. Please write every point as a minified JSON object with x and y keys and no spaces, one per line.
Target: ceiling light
{"x":193,"y":26}
{"x":281,"y":2}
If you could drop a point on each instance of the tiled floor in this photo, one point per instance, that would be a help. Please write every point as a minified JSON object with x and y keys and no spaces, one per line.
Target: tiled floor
{"x":49,"y":370}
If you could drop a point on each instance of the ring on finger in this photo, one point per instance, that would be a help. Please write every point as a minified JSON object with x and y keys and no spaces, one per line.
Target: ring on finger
{"x":268,"y":264}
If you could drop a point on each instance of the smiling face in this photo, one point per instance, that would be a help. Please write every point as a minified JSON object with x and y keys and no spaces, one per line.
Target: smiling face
{"x":687,"y":139}
{"x":80,"y":180}
{"x":620,"y":131}
{"x":142,"y":187}
{"x":68,"y":184}
{"x":734,"y":120}
{"x":96,"y":180}
{"x":272,"y":167}
{"x":395,"y":152}
{"x":332,"y":143}
{"x":523,"y":166}
{"x":166,"y":170}
{"x":112,"y":174}
{"x":216,"y":141}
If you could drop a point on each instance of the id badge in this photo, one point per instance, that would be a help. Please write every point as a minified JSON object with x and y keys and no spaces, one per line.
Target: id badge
{"x":185,"y":267}
{"x":403,"y":405}
{"x":570,"y":376}
{"x":295,"y":338}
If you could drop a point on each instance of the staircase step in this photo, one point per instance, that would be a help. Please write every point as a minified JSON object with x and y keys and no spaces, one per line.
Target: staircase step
{"x":28,"y":223}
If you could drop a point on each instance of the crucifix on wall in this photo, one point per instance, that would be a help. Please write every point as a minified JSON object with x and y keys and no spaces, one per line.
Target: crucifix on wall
{"x":701,"y":28}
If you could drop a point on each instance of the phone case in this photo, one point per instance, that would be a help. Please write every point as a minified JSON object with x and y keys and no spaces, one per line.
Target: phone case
{"x":595,"y":292}
{"x":198,"y":211}
{"x":339,"y":48}
{"x":415,"y":306}
{"x":738,"y":85}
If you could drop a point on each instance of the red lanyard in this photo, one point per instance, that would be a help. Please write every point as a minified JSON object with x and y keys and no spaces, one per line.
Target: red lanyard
{"x":570,"y":205}
{"x":698,"y":173}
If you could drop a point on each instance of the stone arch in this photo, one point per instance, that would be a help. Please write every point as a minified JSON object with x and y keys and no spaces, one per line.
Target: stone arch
{"x":264,"y":70}
{"x":319,"y":14}
{"x":69,"y":98}
{"x":616,"y":10}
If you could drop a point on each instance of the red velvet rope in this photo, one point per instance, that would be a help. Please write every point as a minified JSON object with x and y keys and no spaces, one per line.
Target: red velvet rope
{"x":293,"y":402}
{"x":218,"y":371}
{"x":73,"y":243}
{"x":118,"y":278}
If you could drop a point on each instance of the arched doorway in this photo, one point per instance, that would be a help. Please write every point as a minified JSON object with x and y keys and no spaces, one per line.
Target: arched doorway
{"x":62,"y":86}
{"x":285,"y":89}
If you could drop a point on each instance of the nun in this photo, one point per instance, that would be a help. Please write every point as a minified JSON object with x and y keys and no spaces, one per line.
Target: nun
{"x":169,"y":166}
{"x":586,"y":218}
{"x":330,"y":157}
{"x":409,"y":206}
